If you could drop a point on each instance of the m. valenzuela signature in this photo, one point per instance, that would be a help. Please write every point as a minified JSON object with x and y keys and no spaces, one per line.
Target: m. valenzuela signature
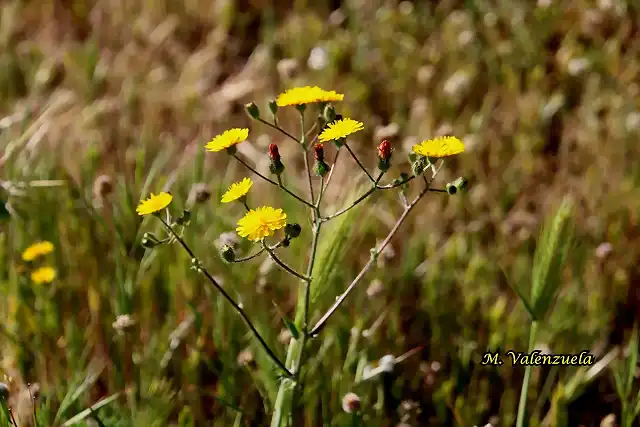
{"x":537,"y":358}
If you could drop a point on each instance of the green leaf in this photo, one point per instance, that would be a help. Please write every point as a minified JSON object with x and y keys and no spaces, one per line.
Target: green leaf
{"x":84,"y":414}
{"x":292,"y":328}
{"x":518,"y":291}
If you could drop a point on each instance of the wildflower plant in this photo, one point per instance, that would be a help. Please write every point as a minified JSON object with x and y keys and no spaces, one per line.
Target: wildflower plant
{"x":269,"y":228}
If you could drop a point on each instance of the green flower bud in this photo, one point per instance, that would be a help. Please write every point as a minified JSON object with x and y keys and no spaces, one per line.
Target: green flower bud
{"x":292,"y":230}
{"x":329,"y":113}
{"x":458,"y":185}
{"x":419,"y":165}
{"x":149,"y":241}
{"x":276,"y":167}
{"x":384,"y":164}
{"x":321,"y":168}
{"x":286,"y":242}
{"x":273,"y":107}
{"x":227,"y":253}
{"x":252,"y":110}
{"x":184,"y":218}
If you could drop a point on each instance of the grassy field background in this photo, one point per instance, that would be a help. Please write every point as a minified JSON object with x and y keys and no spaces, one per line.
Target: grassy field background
{"x":105,"y":101}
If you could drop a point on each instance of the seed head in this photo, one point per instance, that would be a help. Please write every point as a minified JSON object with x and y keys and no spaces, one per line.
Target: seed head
{"x":102,"y":186}
{"x":351,"y":403}
{"x":227,"y":253}
{"x":199,"y":193}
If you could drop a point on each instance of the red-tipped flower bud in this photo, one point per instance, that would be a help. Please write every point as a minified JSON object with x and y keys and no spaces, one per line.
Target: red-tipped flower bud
{"x":384,"y":150}
{"x":274,"y":154}
{"x":319,"y":152}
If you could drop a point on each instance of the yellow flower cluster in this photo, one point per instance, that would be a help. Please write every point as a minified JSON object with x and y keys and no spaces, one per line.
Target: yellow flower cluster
{"x":44,"y":274}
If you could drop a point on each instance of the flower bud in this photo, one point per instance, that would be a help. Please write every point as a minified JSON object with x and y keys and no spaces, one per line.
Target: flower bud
{"x":318,"y":150}
{"x":292,"y":230}
{"x":458,"y":185}
{"x":275,"y":167}
{"x":384,"y":155}
{"x":184,"y":218}
{"x":227,"y":253}
{"x":419,"y":165}
{"x":329,"y":113}
{"x":149,"y":241}
{"x":273,"y":107}
{"x":321,"y":168}
{"x":351,"y":403}
{"x":252,"y":110}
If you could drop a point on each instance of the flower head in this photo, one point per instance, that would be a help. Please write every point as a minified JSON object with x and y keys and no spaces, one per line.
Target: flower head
{"x":384,"y":150}
{"x":442,"y":146}
{"x":340,"y":129}
{"x":155,"y":203}
{"x":318,"y":152}
{"x":227,"y":139}
{"x":307,"y":95}
{"x":274,"y":153}
{"x":237,"y":190}
{"x":36,"y":250}
{"x":43,"y":275}
{"x":261,"y":222}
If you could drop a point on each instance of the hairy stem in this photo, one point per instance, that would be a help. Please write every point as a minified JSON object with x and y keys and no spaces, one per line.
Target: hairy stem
{"x":282,"y":264}
{"x":239,"y":309}
{"x":358,"y":162}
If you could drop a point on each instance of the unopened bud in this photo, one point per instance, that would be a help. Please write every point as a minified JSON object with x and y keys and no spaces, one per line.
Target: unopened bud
{"x":252,"y":110}
{"x":274,"y":153}
{"x":458,"y":185}
{"x":227,"y":253}
{"x":351,"y":403}
{"x":184,"y":218}
{"x":318,"y":149}
{"x":286,"y":242}
{"x":329,"y":113}
{"x":384,"y":155}
{"x":419,"y":165}
{"x":292,"y":230}
{"x":273,"y":107}
{"x":149,"y":241}
{"x":321,"y":168}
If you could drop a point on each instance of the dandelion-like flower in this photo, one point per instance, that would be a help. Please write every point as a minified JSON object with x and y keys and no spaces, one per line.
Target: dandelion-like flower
{"x":155,"y":203}
{"x":442,"y":146}
{"x":237,"y":190}
{"x":307,"y":95}
{"x":43,"y":275}
{"x":340,"y":129}
{"x":227,"y":139}
{"x":37,"y":250}
{"x":261,"y":222}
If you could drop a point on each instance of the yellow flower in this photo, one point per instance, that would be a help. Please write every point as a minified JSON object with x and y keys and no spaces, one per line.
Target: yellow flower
{"x":43,"y":275}
{"x":36,"y":250}
{"x":307,"y":95}
{"x":237,"y":190}
{"x":227,"y":139}
{"x":261,"y":222}
{"x":340,"y":129}
{"x":442,"y":146}
{"x":155,"y":203}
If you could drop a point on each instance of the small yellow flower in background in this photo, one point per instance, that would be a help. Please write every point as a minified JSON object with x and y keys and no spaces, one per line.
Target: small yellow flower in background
{"x":43,"y":275}
{"x":155,"y":203}
{"x":442,"y":146}
{"x":227,"y":139}
{"x":237,"y":190}
{"x":340,"y":129}
{"x":37,"y":250}
{"x":307,"y":95}
{"x":261,"y":222}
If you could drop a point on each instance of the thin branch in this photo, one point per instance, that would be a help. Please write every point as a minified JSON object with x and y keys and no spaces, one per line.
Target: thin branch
{"x":283,"y":265}
{"x":357,"y":201}
{"x":272,"y":182}
{"x":229,"y":299}
{"x":247,"y":258}
{"x":307,"y":168}
{"x":358,"y":162}
{"x":279,"y":129}
{"x":323,"y":320}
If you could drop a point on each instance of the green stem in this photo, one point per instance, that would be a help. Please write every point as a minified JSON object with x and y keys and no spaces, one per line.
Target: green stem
{"x":240,"y":311}
{"x":283,"y":265}
{"x":279,"y":129}
{"x":272,"y":182}
{"x":358,"y":200}
{"x":250,"y":257}
{"x":522,"y":406}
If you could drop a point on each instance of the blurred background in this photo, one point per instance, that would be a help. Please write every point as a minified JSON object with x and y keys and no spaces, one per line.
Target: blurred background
{"x":103,"y":102}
